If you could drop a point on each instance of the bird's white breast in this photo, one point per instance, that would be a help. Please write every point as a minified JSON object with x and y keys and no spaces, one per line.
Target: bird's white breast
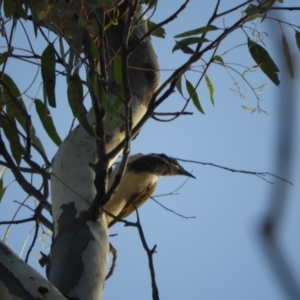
{"x":132,"y":184}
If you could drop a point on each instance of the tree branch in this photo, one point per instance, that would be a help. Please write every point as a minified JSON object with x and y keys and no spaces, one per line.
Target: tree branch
{"x":258,"y":174}
{"x":27,"y":187}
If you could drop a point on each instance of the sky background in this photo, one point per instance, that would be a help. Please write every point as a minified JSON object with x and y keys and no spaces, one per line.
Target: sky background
{"x":218,"y":254}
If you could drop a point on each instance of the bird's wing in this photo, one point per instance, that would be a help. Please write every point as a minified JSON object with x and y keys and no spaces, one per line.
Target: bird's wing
{"x":134,"y":203}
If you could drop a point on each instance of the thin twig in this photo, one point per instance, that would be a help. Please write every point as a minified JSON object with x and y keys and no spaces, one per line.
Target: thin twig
{"x":284,"y":8}
{"x":259,"y":174}
{"x":37,"y":226}
{"x":27,"y":187}
{"x":172,"y":211}
{"x":114,"y":253}
{"x":150,"y":252}
{"x":16,"y":222}
{"x":166,"y":21}
{"x":233,"y":9}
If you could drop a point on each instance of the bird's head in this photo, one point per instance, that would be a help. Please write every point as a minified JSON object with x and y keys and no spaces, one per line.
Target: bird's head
{"x":158,"y":164}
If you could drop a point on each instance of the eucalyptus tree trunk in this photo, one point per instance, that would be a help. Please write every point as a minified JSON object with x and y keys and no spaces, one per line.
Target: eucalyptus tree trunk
{"x":19,"y":281}
{"x":80,"y":248}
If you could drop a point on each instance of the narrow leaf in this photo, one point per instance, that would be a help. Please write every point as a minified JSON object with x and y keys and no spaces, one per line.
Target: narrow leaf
{"x":9,"y":8}
{"x":197,"y":31}
{"x":2,"y":189}
{"x":10,"y":88}
{"x":178,"y":85}
{"x":112,"y":110}
{"x":159,"y":32}
{"x":210,"y":89}
{"x":297,"y":36}
{"x":219,"y":59}
{"x":193,"y":94}
{"x":193,"y":40}
{"x":287,"y":55}
{"x":37,"y":142}
{"x":184,"y":43}
{"x":5,"y":55}
{"x":264,"y":61}
{"x":48,"y":73}
{"x":76,"y":46}
{"x":117,"y":67}
{"x":44,"y":115}
{"x":11,"y":133}
{"x":75,"y":97}
{"x":89,"y":45}
{"x":16,"y":110}
{"x":252,"y":12}
{"x":251,"y":109}
{"x":184,"y":48}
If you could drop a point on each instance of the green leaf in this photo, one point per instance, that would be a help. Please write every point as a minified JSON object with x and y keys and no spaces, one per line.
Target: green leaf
{"x":287,"y":55}
{"x":297,"y":36}
{"x":76,"y":46}
{"x":9,"y":8}
{"x":219,"y":59}
{"x":104,"y":101}
{"x":104,"y":3}
{"x":178,"y":85}
{"x":48,"y":73}
{"x":112,"y":110}
{"x":44,"y":115}
{"x":197,"y":31}
{"x":89,"y":45}
{"x":75,"y":97}
{"x":193,"y":94}
{"x":10,"y":130}
{"x":37,"y":142}
{"x":210,"y":89}
{"x":16,"y":109}
{"x":251,"y":109}
{"x":264,"y":61}
{"x":4,"y":56}
{"x":2,"y":189}
{"x":252,"y":12}
{"x":10,"y":88}
{"x":20,"y":11}
{"x":184,"y":43}
{"x":159,"y":32}
{"x":117,"y":67}
{"x":184,"y":48}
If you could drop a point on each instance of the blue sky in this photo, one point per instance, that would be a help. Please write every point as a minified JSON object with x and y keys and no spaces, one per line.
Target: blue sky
{"x":218,"y":254}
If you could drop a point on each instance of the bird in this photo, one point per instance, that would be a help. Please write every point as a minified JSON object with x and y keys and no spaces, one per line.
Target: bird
{"x":139,"y":182}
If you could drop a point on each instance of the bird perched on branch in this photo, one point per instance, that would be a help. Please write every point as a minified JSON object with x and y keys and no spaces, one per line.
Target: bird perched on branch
{"x":139,"y":183}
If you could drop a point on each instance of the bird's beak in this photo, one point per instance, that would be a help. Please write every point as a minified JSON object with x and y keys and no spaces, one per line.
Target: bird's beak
{"x":186,"y":173}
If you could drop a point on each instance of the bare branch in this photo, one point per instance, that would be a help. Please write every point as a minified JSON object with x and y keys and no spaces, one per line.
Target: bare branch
{"x":150,"y":253}
{"x":37,"y":226}
{"x":258,"y":174}
{"x":170,"y":210}
{"x":114,"y":252}
{"x":166,"y":21}
{"x":27,"y":187}
{"x":17,"y":221}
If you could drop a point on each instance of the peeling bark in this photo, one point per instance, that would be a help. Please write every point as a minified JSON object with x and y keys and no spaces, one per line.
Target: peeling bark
{"x":19,"y":281}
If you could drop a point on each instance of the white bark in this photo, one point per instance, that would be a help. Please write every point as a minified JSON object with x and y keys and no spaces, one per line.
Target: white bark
{"x":19,"y":281}
{"x":80,"y":247}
